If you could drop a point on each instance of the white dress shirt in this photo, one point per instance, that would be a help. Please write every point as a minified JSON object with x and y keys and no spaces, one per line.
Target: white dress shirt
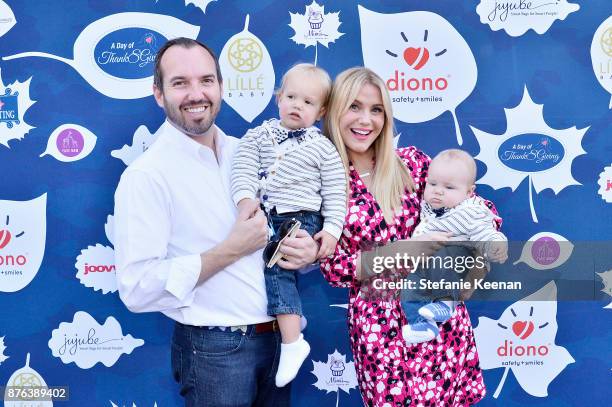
{"x":172,"y":204}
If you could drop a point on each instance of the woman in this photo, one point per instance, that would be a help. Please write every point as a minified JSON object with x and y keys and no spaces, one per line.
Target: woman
{"x":385,"y":189}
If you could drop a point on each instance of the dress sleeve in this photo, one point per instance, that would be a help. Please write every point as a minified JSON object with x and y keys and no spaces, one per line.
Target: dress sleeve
{"x":417,"y":163}
{"x":339,"y":268}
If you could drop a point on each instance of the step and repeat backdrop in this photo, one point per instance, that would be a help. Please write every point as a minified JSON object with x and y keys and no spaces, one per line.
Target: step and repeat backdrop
{"x":525,"y":86}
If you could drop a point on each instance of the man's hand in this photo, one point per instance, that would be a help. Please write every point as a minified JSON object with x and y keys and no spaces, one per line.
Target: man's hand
{"x":327,"y":244}
{"x":250,"y":231}
{"x":298,"y":251}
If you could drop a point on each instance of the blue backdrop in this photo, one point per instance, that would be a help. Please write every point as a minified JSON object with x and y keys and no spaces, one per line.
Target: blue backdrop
{"x":554,"y":66}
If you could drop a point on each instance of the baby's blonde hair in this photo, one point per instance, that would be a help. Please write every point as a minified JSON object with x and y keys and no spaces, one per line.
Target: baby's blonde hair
{"x":459,"y":155}
{"x":317,"y":73}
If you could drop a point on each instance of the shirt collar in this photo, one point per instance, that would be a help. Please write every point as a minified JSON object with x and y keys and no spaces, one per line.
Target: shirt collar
{"x":180,"y":140}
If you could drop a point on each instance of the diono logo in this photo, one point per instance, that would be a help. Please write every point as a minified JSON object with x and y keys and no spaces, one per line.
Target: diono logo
{"x":522,"y":329}
{"x":5,"y":238}
{"x":427,"y":71}
{"x":22,"y":241}
{"x":416,"y":57}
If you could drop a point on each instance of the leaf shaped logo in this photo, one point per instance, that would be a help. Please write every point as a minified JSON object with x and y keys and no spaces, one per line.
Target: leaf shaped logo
{"x":334,"y":375}
{"x":545,"y":251}
{"x":523,"y":340}
{"x":23,"y":378}
{"x":201,"y":4}
{"x":14,"y":103}
{"x":516,"y":17}
{"x":605,"y":184}
{"x":7,"y":18}
{"x":141,"y":141}
{"x":601,"y":55}
{"x":3,"y":357}
{"x":529,"y":149}
{"x":427,"y":65}
{"x":23,"y":234}
{"x":115,"y":54}
{"x":70,"y":142}
{"x":248,"y":74}
{"x":315,"y":27}
{"x":606,"y":279}
{"x":85,"y":342}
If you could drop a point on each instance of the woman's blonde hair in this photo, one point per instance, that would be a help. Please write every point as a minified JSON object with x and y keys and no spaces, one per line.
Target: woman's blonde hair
{"x":390,"y":177}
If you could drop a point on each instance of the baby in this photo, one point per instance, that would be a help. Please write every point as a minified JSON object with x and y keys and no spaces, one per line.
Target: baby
{"x":449,"y":205}
{"x":298,"y":175}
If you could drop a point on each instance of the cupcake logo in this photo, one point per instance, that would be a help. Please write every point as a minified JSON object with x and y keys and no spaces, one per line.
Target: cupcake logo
{"x":315,"y":27}
{"x":334,"y":375}
{"x":336,"y":366}
{"x":315,"y":18}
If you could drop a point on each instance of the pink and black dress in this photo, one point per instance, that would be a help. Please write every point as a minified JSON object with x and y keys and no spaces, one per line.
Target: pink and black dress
{"x":442,"y":372}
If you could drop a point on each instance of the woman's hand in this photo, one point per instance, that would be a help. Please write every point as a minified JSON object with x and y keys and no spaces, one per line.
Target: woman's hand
{"x":427,"y":244}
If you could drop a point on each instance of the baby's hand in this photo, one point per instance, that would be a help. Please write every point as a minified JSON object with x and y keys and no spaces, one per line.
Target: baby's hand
{"x":498,"y":252}
{"x":247,"y":207}
{"x":327,"y":244}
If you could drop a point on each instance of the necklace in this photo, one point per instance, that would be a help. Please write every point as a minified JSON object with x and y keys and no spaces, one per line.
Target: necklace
{"x":365,"y":174}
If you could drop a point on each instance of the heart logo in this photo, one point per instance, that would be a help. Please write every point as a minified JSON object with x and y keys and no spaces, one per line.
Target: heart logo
{"x":522,"y":329}
{"x":414,"y":56}
{"x":5,"y":238}
{"x":148,"y":40}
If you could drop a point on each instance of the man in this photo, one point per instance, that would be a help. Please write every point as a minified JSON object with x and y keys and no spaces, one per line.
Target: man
{"x":181,"y":247}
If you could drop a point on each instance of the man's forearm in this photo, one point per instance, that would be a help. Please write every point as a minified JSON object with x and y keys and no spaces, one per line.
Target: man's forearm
{"x":216,"y":259}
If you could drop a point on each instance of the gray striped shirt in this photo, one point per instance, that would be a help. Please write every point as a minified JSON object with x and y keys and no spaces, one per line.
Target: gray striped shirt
{"x":302,"y":172}
{"x":471,"y":221}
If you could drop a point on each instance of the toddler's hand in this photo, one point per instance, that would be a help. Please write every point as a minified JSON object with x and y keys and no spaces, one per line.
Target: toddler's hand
{"x":498,"y":252}
{"x":247,"y":207}
{"x":327,"y":244}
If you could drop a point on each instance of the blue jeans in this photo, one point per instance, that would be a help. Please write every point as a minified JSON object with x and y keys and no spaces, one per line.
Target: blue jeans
{"x":218,"y":368}
{"x":281,"y":288}
{"x":414,"y":299}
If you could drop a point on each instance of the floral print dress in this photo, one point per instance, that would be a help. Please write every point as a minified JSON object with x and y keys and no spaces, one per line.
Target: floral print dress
{"x":442,"y":372}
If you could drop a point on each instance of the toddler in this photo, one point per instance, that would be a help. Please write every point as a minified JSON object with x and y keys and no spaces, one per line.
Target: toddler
{"x":298,"y":175}
{"x":449,"y":205}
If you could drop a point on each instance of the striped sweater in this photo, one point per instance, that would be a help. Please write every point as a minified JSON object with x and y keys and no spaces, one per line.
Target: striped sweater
{"x":291,"y":171}
{"x":470,"y":220}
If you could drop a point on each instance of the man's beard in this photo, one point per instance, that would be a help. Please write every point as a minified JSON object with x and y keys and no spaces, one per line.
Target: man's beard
{"x":196,"y":129}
